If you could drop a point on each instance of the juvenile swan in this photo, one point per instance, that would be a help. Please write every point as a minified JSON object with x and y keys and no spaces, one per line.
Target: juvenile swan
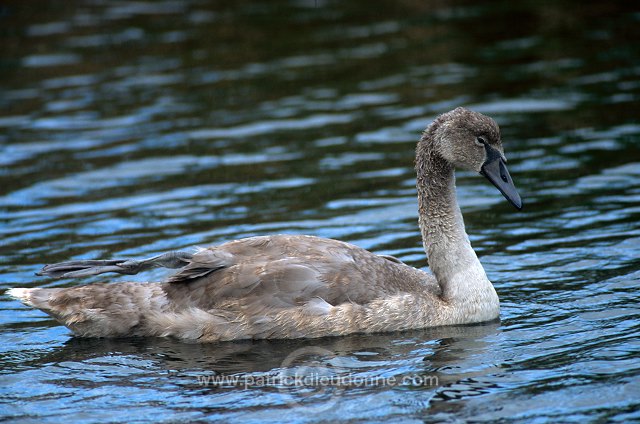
{"x":289,"y":286}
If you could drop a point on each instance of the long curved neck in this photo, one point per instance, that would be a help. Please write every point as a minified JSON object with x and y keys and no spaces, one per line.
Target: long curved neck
{"x":451,"y":257}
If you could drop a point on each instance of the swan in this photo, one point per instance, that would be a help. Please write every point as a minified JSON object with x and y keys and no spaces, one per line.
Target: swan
{"x":299,"y":286}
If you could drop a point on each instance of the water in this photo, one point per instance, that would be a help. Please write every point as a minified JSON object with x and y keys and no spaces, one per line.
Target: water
{"x":133,"y":128}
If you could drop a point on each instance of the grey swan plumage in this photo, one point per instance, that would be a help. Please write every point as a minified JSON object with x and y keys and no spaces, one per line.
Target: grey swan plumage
{"x":292,"y":286}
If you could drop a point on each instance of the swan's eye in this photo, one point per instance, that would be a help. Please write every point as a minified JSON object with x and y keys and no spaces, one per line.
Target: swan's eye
{"x":481,"y":141}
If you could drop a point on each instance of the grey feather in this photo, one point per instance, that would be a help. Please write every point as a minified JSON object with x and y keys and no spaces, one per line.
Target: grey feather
{"x":86,"y":268}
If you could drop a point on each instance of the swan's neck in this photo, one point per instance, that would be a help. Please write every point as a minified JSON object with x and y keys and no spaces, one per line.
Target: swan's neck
{"x":463,"y":282}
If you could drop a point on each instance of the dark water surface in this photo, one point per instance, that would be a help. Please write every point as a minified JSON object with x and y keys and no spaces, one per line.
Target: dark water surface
{"x":131,"y":128}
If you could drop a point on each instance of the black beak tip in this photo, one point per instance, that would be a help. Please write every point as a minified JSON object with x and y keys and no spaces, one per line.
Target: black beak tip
{"x":496,"y":172}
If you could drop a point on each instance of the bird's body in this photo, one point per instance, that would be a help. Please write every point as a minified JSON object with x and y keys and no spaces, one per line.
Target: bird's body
{"x":291,"y":286}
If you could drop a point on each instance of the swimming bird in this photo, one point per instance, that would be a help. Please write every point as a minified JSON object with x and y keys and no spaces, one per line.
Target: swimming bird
{"x":296,"y":286}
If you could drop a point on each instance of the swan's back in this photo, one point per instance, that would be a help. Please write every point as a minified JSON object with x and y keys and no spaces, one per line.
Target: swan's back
{"x":285,"y":271}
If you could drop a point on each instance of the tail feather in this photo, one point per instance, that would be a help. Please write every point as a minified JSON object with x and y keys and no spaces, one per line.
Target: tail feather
{"x":102,"y":309}
{"x":99,"y":309}
{"x":36,"y":298}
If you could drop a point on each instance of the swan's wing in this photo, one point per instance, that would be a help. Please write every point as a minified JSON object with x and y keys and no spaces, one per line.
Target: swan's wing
{"x":286,"y":271}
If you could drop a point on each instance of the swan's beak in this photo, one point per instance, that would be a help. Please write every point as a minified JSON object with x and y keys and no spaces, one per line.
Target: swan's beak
{"x":495,"y":169}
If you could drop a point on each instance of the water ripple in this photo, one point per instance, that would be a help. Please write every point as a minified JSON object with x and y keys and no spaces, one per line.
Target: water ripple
{"x":133,"y":128}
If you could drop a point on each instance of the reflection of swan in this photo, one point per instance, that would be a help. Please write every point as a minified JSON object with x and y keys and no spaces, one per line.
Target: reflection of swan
{"x":436,"y":350}
{"x":289,"y":286}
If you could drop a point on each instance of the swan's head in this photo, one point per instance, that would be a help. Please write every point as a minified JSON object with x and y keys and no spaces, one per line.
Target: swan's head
{"x":470,"y":140}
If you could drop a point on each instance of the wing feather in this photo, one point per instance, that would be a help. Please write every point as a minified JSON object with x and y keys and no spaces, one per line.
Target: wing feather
{"x":286,"y":271}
